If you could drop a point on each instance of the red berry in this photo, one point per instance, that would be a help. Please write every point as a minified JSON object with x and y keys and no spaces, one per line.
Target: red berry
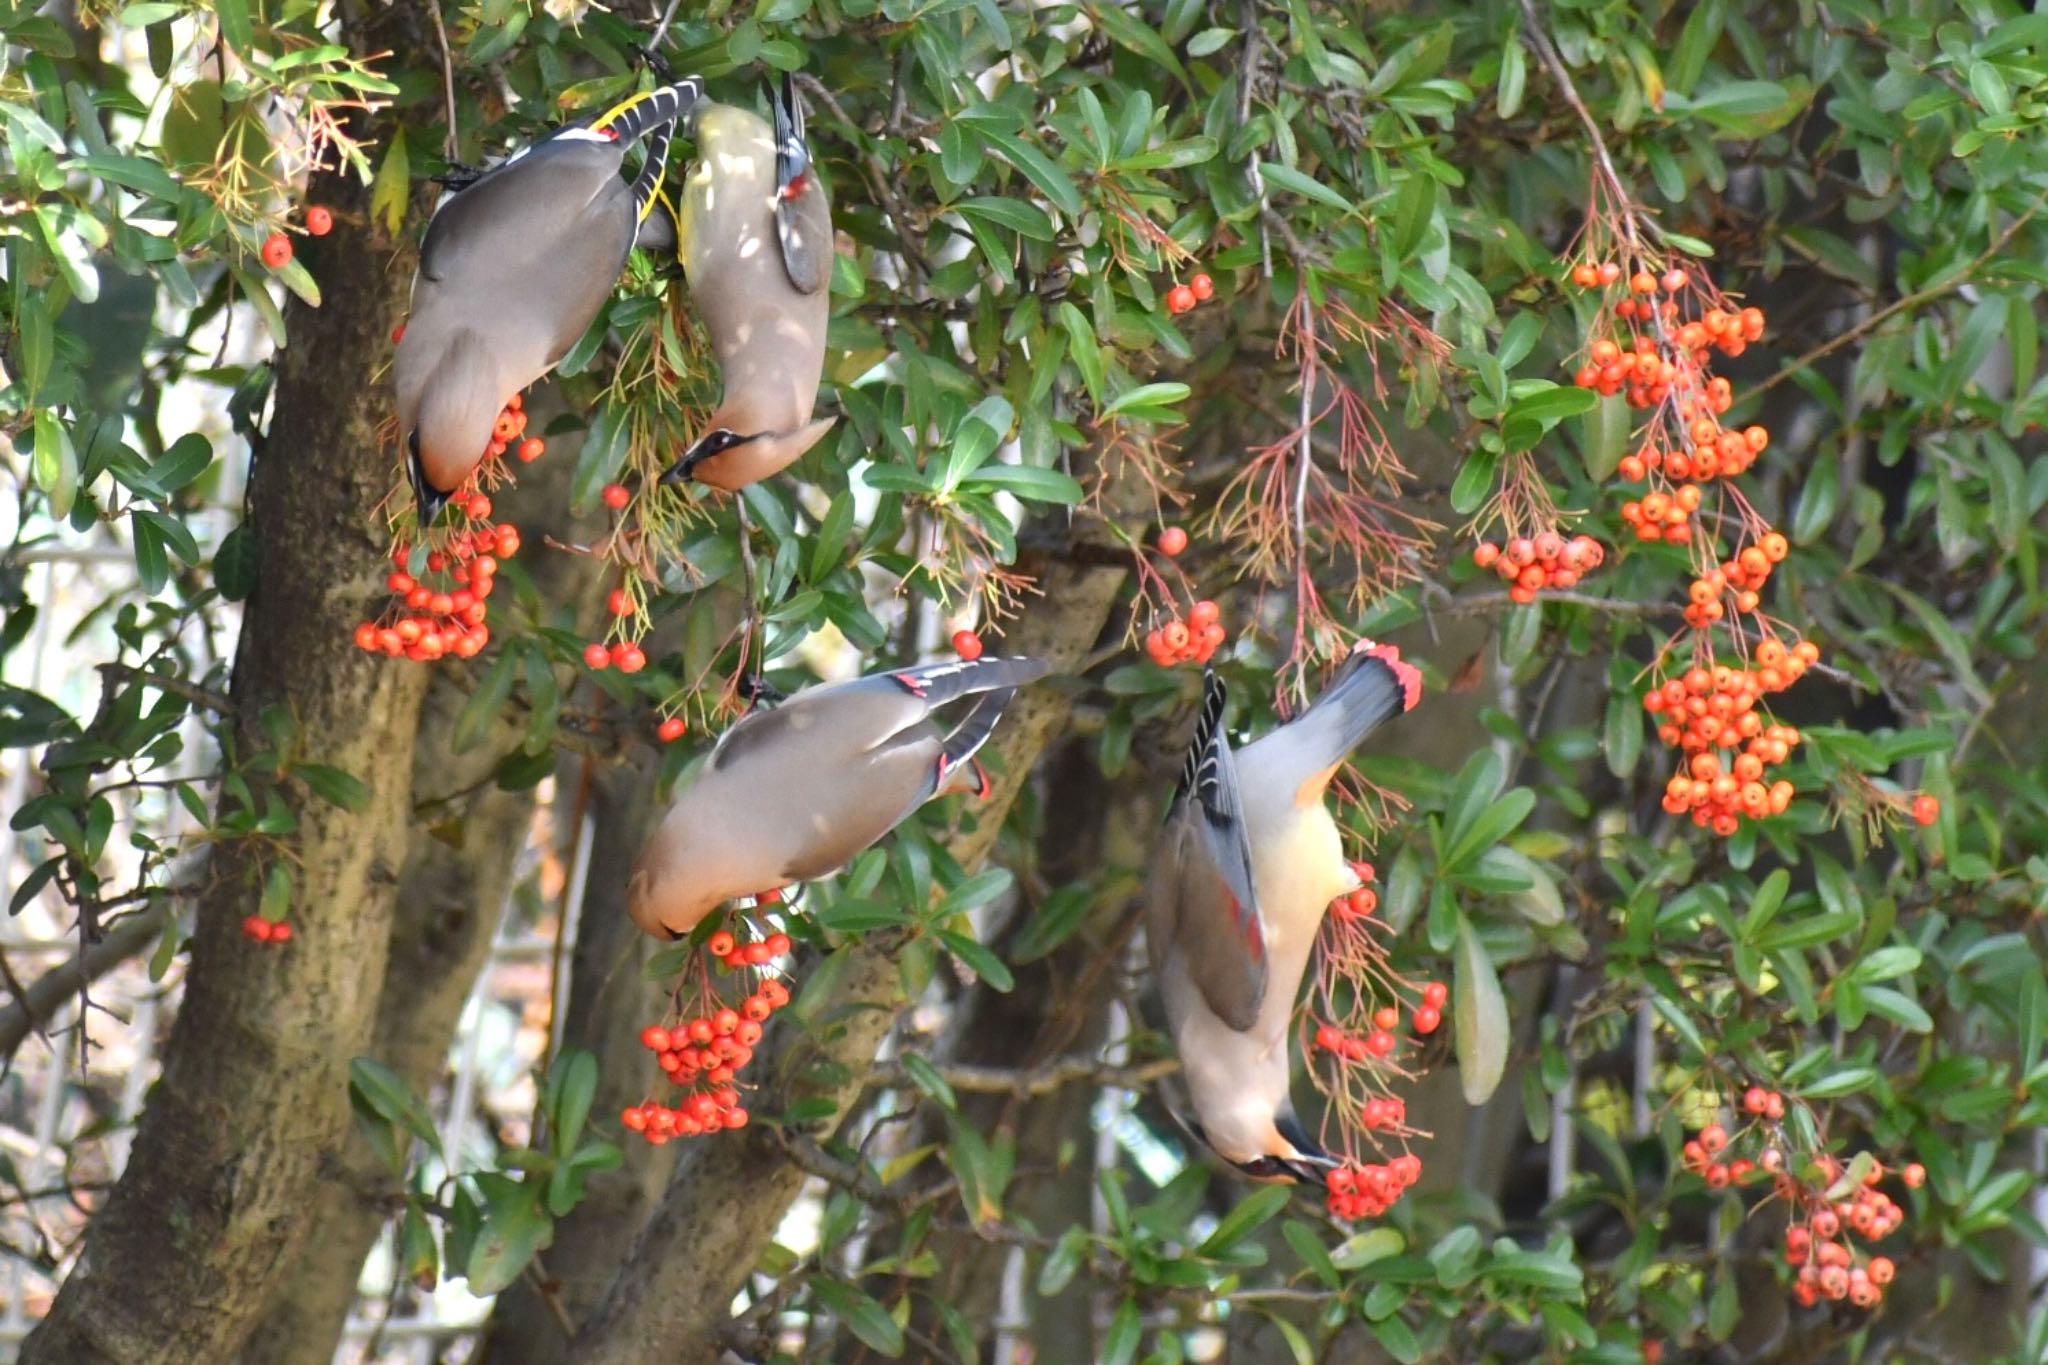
{"x":618,"y":602}
{"x":479,"y":508}
{"x":319,"y":220}
{"x":671,"y":730}
{"x":277,"y":251}
{"x":398,"y":334}
{"x":1172,"y":541}
{"x":616,"y":497}
{"x":256,"y":927}
{"x":1203,"y":287}
{"x":597,"y":656}
{"x":530,"y":449}
{"x":280,"y":933}
{"x":967,"y":645}
{"x":1180,"y":299}
{"x":655,"y":1039}
{"x":778,"y":945}
{"x":720,"y":944}
{"x":630,"y":658}
{"x":1428,"y":1018}
{"x":1926,"y":810}
{"x":1434,"y":994}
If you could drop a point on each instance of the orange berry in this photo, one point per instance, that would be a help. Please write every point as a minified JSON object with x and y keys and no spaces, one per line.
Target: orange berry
{"x":277,"y":251}
{"x":1203,"y":614}
{"x":1674,"y":280}
{"x":1585,"y":276}
{"x":1204,"y":287}
{"x":1172,"y":541}
{"x":1915,"y":1175}
{"x":319,"y":220}
{"x":1643,"y":282}
{"x":1608,"y":272}
{"x":1926,"y":810}
{"x":671,"y":730}
{"x":1180,"y":299}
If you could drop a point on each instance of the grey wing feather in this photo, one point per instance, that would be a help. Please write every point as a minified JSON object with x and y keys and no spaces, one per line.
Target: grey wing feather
{"x":805,"y":226}
{"x":1218,"y":929}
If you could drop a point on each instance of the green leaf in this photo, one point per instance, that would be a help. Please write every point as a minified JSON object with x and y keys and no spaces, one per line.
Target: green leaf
{"x":1120,"y":1343}
{"x":513,"y":1233}
{"x":485,"y":705}
{"x":979,"y":960}
{"x":1038,"y":168}
{"x":572,"y":1081}
{"x":56,"y":464}
{"x":385,"y":1093}
{"x":1251,"y":1211}
{"x":392,"y":188}
{"x":234,"y":563}
{"x":1146,"y":394}
{"x":1481,"y":1015}
{"x":130,"y":172}
{"x":864,"y":1317}
{"x":1025,"y":219}
{"x":1287,"y":178}
{"x":1030,"y":483}
{"x":334,"y":786}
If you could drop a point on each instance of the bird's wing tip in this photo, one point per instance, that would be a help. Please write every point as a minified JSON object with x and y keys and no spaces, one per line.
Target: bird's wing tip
{"x":1407,"y":674}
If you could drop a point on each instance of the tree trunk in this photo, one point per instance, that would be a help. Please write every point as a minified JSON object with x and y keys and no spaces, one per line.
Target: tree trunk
{"x":252,"y":1112}
{"x":610,"y":1001}
{"x":729,"y":1195}
{"x":460,"y":866}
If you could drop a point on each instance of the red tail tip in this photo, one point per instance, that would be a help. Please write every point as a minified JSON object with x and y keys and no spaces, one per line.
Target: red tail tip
{"x":1407,"y":674}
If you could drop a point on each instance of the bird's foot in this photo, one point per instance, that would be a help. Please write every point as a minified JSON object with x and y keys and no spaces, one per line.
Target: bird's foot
{"x":758,"y":691}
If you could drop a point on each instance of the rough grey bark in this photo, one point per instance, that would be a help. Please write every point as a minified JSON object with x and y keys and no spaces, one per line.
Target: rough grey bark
{"x":460,"y":866}
{"x":252,"y":1109}
{"x":710,"y":1244}
{"x":610,"y":1001}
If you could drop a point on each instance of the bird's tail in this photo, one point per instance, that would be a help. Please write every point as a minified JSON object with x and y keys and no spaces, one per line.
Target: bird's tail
{"x":937,"y":684}
{"x":966,"y":740}
{"x":634,"y":118}
{"x":792,"y":153}
{"x":1373,"y":687}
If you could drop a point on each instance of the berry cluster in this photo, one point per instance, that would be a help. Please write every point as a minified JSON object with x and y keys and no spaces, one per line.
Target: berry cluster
{"x":257,"y":929}
{"x":1666,"y":328}
{"x":1705,"y":711}
{"x":1833,"y":1206}
{"x":1547,"y":560}
{"x":1368,"y":1191}
{"x":706,"y":1052}
{"x":441,"y":612}
{"x":1194,"y":640}
{"x":438,"y":604}
{"x":1361,"y":1036}
{"x":1183,"y":298}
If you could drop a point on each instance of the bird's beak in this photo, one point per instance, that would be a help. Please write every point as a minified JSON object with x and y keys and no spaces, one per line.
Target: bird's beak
{"x":429,"y":499}
{"x":679,"y":472}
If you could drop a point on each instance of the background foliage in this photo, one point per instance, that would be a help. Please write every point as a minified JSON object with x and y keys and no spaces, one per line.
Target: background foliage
{"x":1386,"y":197}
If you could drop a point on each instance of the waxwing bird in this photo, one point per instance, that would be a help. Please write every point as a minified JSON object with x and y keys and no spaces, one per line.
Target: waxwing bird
{"x":516,"y":263}
{"x":756,"y":234}
{"x":1247,"y":862}
{"x":792,"y":793}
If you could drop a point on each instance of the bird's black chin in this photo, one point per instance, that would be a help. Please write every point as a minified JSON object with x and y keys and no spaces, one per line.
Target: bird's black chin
{"x":709,"y":444}
{"x":429,"y":499}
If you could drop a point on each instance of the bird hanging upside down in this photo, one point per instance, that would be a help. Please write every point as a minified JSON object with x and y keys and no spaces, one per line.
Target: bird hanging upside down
{"x":756,"y":240}
{"x":1247,"y":863}
{"x":515,"y":266}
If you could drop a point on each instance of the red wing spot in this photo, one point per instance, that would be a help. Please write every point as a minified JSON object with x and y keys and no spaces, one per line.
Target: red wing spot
{"x":912,"y":684}
{"x":982,"y":773}
{"x":945,"y":766}
{"x":610,"y":134}
{"x":1248,"y":926}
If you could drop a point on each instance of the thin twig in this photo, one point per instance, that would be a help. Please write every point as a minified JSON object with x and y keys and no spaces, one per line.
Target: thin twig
{"x":1248,"y":76}
{"x":47,"y":993}
{"x":449,"y":144}
{"x":661,"y":29}
{"x":1913,"y":300}
{"x":751,"y":624}
{"x":218,"y":702}
{"x":1043,"y":1079}
{"x":877,"y":175}
{"x":1539,"y":39}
